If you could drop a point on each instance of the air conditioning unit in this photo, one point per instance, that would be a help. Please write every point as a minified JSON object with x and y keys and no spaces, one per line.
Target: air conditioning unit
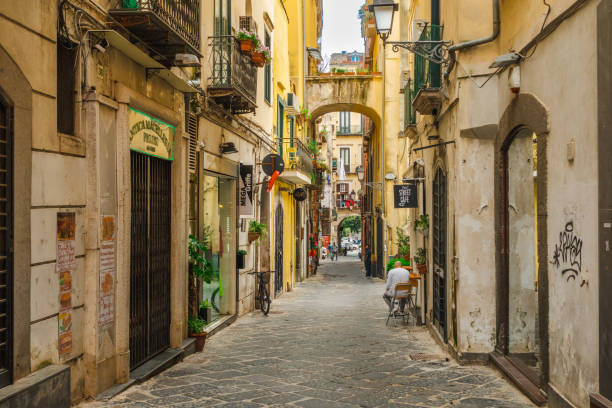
{"x":293,"y":106}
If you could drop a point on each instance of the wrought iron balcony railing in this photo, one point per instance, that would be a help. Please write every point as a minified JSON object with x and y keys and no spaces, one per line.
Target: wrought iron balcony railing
{"x":233,"y":78}
{"x":169,"y":27}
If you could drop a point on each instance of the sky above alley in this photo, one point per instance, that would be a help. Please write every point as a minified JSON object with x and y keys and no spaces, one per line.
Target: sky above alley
{"x":341,"y":26}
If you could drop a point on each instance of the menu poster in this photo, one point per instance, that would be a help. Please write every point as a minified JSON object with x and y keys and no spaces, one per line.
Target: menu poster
{"x":65,"y":264}
{"x":106,"y":310}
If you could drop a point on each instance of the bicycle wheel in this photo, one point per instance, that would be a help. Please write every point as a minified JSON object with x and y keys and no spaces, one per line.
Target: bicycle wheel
{"x":264,"y":301}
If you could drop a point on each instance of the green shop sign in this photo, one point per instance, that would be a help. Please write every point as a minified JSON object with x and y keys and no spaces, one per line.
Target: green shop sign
{"x":151,"y":136}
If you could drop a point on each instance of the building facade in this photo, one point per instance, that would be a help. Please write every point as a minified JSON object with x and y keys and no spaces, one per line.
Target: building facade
{"x":116,"y":148}
{"x":517,"y":264}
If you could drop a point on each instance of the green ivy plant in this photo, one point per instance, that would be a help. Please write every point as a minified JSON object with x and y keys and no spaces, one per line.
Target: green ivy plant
{"x":202,"y":268}
{"x":196,"y":325}
{"x":421,"y":256}
{"x":258,"y":227}
{"x":313,"y":146}
{"x":421,"y":224}
{"x":242,"y":252}
{"x":403,"y":242}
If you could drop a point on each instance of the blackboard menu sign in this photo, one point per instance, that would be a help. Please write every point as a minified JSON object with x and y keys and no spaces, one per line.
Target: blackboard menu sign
{"x":405,"y":196}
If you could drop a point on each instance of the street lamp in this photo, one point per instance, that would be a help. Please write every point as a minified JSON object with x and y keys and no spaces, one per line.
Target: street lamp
{"x":435,"y":51}
{"x":383,"y":16}
{"x":360,"y":173}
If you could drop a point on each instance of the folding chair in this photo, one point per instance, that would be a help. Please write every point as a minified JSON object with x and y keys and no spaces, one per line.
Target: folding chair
{"x":409,"y":300}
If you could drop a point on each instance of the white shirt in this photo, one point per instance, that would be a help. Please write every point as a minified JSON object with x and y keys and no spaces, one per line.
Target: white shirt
{"x":397,"y":275}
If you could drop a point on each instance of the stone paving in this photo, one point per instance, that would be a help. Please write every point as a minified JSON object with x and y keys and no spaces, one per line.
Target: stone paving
{"x":323,"y":345}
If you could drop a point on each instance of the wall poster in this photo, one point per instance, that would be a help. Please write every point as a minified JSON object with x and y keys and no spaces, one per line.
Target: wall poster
{"x":106,"y":311}
{"x":65,"y":264}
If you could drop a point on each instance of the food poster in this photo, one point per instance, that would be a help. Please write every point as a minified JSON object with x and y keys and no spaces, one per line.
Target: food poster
{"x":65,"y":264}
{"x":106,"y":311}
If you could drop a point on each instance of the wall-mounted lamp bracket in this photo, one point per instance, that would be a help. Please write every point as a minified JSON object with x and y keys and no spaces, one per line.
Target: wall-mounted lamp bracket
{"x":434,"y":51}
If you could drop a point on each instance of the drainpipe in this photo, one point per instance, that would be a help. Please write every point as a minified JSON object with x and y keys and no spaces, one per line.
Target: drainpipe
{"x":473,"y":43}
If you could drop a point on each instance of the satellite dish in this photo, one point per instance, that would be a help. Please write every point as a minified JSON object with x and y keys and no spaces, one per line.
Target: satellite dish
{"x":271,"y":163}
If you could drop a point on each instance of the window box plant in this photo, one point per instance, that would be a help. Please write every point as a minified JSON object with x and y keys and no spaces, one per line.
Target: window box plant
{"x":248,"y":41}
{"x":421,"y":261}
{"x":205,"y":310}
{"x":261,"y":56}
{"x":196,"y":330}
{"x":240,"y":257}
{"x":256,"y":230}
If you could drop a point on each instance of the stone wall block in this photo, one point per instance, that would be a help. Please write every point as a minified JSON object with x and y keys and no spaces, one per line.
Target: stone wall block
{"x":43,"y":342}
{"x":57,"y":180}
{"x":44,"y":298}
{"x":44,"y":123}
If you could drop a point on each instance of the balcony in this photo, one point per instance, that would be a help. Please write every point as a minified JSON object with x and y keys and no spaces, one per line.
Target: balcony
{"x":233,"y":78}
{"x":426,"y":96}
{"x":298,"y":169}
{"x":169,"y":27}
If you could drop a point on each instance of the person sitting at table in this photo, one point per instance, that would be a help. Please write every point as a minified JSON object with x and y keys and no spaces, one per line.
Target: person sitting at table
{"x":396,"y":275}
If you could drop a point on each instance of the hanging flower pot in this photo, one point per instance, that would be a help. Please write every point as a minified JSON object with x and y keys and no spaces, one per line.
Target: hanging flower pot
{"x":258,"y":59}
{"x":247,"y":46}
{"x":253,"y":236}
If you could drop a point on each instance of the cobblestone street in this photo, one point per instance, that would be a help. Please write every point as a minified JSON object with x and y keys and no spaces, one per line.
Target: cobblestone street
{"x":323,"y":345}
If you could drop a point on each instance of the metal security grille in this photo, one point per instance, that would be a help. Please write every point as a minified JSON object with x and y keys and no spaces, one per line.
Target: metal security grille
{"x":278,"y":250}
{"x":150,"y":258}
{"x":6,"y":238}
{"x":439,"y":251}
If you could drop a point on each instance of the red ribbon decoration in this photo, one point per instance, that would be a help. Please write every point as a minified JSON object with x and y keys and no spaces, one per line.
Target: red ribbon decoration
{"x":272,"y":180}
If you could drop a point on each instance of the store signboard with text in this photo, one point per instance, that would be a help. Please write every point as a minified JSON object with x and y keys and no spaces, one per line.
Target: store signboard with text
{"x":405,"y":196}
{"x":151,"y":136}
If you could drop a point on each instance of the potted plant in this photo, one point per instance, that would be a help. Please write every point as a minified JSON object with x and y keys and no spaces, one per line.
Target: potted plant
{"x":403,"y":244}
{"x":261,"y":56}
{"x":256,"y":230}
{"x":196,"y":330}
{"x":205,"y":310}
{"x":421,"y":261}
{"x":421,"y":224}
{"x":240,"y":258}
{"x":248,"y":41}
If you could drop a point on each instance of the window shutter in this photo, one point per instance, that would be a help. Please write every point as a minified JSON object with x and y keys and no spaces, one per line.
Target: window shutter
{"x":192,"y":130}
{"x":246,"y":23}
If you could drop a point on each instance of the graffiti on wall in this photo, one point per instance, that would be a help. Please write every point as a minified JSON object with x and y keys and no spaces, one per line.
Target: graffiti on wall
{"x":567,"y":255}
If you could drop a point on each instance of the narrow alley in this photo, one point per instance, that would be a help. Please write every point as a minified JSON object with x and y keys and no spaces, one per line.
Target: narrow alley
{"x":325,"y":344}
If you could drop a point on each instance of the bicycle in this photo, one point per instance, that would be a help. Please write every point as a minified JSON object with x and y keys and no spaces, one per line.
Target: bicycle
{"x":262,"y":290}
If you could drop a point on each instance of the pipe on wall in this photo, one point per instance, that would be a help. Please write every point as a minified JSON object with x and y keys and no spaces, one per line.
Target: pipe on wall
{"x":473,"y":43}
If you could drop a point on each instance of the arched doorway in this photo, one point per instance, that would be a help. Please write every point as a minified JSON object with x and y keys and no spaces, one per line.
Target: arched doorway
{"x":439,"y":252}
{"x":522,"y":258}
{"x":278,"y":249}
{"x":519,"y":199}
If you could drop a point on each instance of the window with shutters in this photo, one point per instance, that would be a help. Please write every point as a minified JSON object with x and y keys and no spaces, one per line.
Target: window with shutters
{"x":345,"y":157}
{"x":192,"y":130}
{"x":246,"y":23}
{"x":268,"y":71}
{"x":344,"y":125}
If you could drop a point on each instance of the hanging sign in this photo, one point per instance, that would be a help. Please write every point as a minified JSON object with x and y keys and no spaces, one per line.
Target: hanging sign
{"x":299,"y":194}
{"x":151,"y":136}
{"x":405,"y":196}
{"x":246,"y":190}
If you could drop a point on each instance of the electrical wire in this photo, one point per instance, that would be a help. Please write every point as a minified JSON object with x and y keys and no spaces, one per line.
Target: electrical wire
{"x":497,"y":71}
{"x":541,"y":30}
